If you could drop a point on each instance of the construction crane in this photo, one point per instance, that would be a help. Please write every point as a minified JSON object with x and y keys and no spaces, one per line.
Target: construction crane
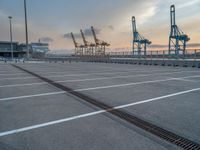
{"x":89,"y":47}
{"x":78,"y":47}
{"x":100,"y":45}
{"x":139,"y":42}
{"x":177,"y":39}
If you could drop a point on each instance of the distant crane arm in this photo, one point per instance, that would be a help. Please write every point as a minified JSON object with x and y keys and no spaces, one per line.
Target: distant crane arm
{"x":84,"y":40}
{"x":75,"y":44}
{"x":97,"y":41}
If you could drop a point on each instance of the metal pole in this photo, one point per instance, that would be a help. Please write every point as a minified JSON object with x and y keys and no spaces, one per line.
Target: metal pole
{"x":195,"y":54}
{"x":11,"y":42}
{"x":26,"y":29}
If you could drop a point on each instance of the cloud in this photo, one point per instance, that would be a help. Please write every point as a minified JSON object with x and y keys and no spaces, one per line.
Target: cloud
{"x":149,"y":12}
{"x":46,"y":39}
{"x":111,"y":27}
{"x":87,"y":32}
{"x":190,"y":3}
{"x":68,"y":35}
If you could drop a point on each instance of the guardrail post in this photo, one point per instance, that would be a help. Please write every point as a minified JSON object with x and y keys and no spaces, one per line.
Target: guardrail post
{"x":163,"y":55}
{"x":157,"y":54}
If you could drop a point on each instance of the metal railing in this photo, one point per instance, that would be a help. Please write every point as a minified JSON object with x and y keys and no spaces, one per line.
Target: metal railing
{"x":159,"y":54}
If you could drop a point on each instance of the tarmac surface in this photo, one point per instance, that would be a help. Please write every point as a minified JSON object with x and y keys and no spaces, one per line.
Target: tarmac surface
{"x":35,"y":115}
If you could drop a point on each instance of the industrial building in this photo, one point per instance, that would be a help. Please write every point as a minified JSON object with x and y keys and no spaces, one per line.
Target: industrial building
{"x":19,"y":50}
{"x":5,"y":49}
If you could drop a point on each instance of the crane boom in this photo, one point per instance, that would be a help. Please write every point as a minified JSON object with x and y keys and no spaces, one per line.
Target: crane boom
{"x":84,"y":40}
{"x":94,"y":35}
{"x":134,"y":24}
{"x":78,"y":47}
{"x":172,"y":18}
{"x":75,"y":44}
{"x":100,"y":46}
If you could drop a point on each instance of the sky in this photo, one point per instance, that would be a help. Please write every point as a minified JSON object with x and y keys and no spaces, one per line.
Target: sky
{"x":52,"y":21}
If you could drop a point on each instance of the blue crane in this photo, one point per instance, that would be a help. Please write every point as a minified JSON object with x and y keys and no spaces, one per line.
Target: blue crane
{"x":139,"y":42}
{"x":177,"y":39}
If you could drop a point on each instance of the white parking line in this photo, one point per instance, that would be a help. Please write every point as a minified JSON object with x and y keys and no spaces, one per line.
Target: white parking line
{"x":18,"y":78}
{"x":12,"y":74}
{"x":89,"y":79}
{"x":97,"y":88}
{"x":15,"y":131}
{"x":84,"y":74}
{"x":6,"y":71}
{"x":133,"y":83}
{"x":68,"y":74}
{"x":119,"y":70}
{"x":52,"y":72}
{"x":189,"y":80}
{"x":29,"y":96}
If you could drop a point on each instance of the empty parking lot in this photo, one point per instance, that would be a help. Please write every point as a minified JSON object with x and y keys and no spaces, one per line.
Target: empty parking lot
{"x":78,"y":106}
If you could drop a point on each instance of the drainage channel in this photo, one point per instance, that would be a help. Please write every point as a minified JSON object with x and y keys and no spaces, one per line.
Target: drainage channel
{"x":169,"y":136}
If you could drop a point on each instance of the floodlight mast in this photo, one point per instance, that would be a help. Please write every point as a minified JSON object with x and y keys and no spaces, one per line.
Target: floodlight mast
{"x":26,"y":29}
{"x":11,"y":41}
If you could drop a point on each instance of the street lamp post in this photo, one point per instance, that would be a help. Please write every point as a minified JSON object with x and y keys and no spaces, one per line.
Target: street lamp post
{"x":26,"y":29}
{"x":11,"y":42}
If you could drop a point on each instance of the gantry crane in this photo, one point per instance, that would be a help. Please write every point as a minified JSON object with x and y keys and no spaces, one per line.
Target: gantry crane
{"x":78,"y":47}
{"x":89,"y":47}
{"x":177,"y":39}
{"x":100,"y":45}
{"x":139,"y":42}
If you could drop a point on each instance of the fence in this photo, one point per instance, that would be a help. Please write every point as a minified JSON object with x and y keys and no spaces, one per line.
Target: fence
{"x":164,"y":54}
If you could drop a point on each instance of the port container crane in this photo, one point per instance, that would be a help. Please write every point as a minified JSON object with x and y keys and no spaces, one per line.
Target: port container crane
{"x":177,"y":39}
{"x":139,"y":42}
{"x":89,"y":47}
{"x":100,"y":45}
{"x":78,"y":47}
